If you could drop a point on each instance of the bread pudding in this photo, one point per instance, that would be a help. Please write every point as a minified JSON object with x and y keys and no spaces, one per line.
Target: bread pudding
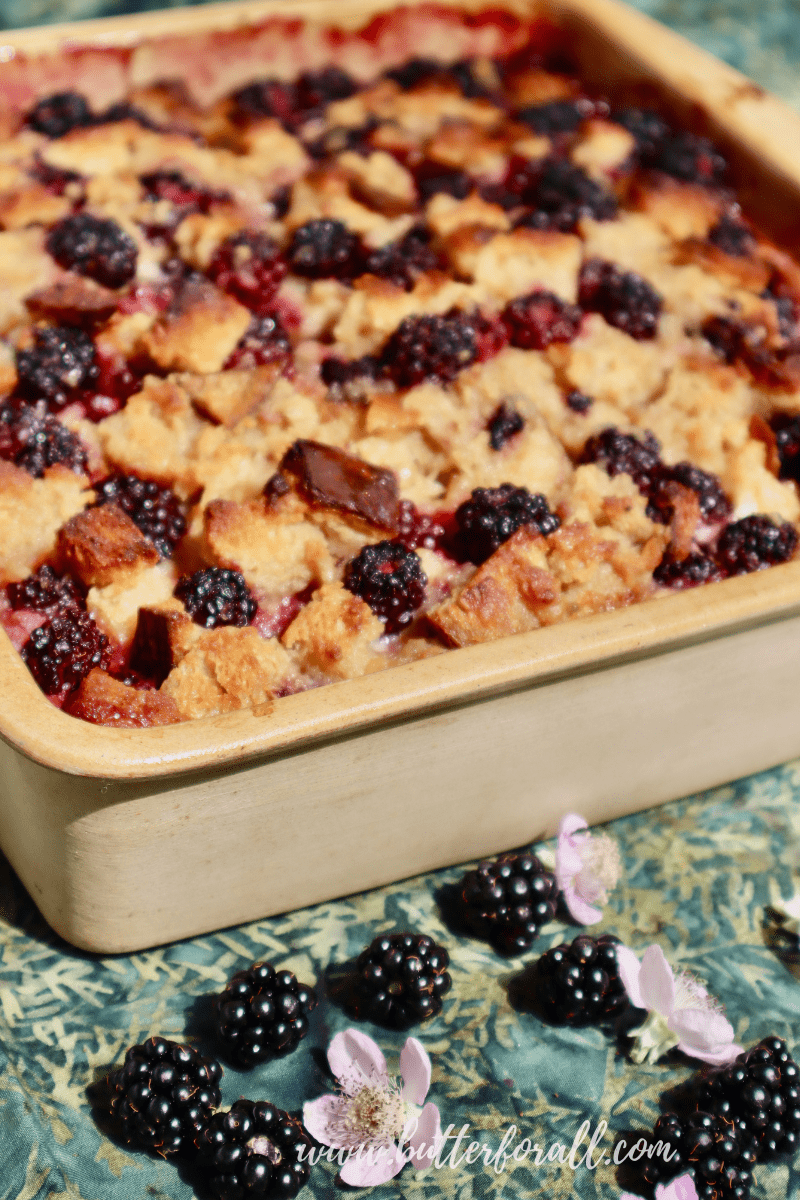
{"x":350,"y":367}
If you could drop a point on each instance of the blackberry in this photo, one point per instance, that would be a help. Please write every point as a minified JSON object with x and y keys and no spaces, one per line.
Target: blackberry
{"x":732,"y":236}
{"x":343,"y":373}
{"x":94,"y":246}
{"x":215,"y":596}
{"x":536,"y":320}
{"x":58,"y":114}
{"x":726,"y":337}
{"x":413,"y":72}
{"x":647,"y":127}
{"x":403,"y":262}
{"x":402,"y":979}
{"x":754,"y":543}
{"x":156,"y":510}
{"x":706,"y":1145}
{"x":558,"y":116}
{"x":62,"y":651}
{"x":492,"y":515}
{"x":61,"y":361}
{"x":179,"y":191}
{"x":269,"y":98}
{"x":254,"y":1149}
{"x":621,"y":453}
{"x":786,"y":427}
{"x":263,"y":1012}
{"x":162,"y":1095}
{"x":45,"y":591}
{"x":467,"y":75}
{"x":503,"y":424}
{"x":429,"y":347}
{"x":560,"y":194}
{"x":264,"y":341}
{"x":390,"y":579}
{"x":316,"y":89}
{"x":249,"y":266}
{"x":760,"y":1094}
{"x":34,"y":439}
{"x":578,"y":402}
{"x":324,"y":248}
{"x":714,"y":504}
{"x":508,"y":900}
{"x":579,"y":984}
{"x":687,"y":157}
{"x":433,"y":177}
{"x":686,"y":572}
{"x":625,"y":299}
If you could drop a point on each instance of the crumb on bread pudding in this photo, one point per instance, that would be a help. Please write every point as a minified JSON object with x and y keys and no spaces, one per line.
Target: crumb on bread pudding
{"x":336,"y":372}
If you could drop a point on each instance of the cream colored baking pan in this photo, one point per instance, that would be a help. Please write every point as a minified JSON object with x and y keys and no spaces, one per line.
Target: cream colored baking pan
{"x":128,"y":838}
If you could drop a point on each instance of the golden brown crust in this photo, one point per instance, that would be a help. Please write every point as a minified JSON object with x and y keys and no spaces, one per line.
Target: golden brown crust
{"x":102,"y":545}
{"x":103,"y":700}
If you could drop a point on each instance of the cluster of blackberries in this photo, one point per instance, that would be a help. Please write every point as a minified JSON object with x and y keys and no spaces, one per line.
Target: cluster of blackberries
{"x":508,"y":900}
{"x":263,"y":1013}
{"x":579,"y":983}
{"x":402,"y":978}
{"x":734,"y":1117}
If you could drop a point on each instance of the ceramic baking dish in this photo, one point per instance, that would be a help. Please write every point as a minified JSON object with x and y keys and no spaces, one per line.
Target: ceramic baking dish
{"x":128,"y":838}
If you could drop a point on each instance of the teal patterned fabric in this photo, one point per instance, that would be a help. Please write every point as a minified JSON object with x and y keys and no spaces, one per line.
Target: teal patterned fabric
{"x":697,"y":878}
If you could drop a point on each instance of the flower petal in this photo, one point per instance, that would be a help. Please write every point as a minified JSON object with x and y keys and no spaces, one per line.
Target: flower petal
{"x":579,"y":910}
{"x":682,"y":1188}
{"x":376,"y":1165}
{"x":424,"y":1142}
{"x":353,"y":1051}
{"x":317,"y":1118}
{"x":656,"y":981}
{"x":571,"y":823}
{"x":415,"y":1067}
{"x":629,"y":969}
{"x":703,"y":1030}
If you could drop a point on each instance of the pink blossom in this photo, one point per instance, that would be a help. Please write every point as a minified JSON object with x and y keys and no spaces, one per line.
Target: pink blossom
{"x":681,"y":1012}
{"x":682,"y":1188}
{"x":372,"y":1115}
{"x":587,"y":868}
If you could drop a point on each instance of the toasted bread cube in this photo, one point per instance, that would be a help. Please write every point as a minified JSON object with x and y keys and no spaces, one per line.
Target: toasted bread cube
{"x":102,"y":546}
{"x":445,"y":214}
{"x":32,"y":205}
{"x":106,"y":701}
{"x":154,"y":434}
{"x":513,"y":264}
{"x":504,"y":595}
{"x":115,"y":607}
{"x":334,"y":635}
{"x":199,"y":332}
{"x":380,"y":180}
{"x":31,"y":514}
{"x":227,"y":669}
{"x":277,"y":555}
{"x":163,"y":636}
{"x":228,"y":396}
{"x":27,"y":267}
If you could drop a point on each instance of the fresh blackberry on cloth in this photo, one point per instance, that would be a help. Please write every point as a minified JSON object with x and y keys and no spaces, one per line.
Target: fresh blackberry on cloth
{"x":62,"y":651}
{"x":94,"y":246}
{"x":324,"y":248}
{"x":390,"y":579}
{"x":579,"y":984}
{"x":508,"y":900}
{"x":760,"y":1094}
{"x":492,"y":515}
{"x":429,"y":347}
{"x":754,"y":543}
{"x":706,"y":1145}
{"x":215,"y":596}
{"x":155,"y":510}
{"x":61,"y":360}
{"x":262,"y":1013}
{"x":57,"y":114}
{"x":45,"y":591}
{"x":402,"y":979}
{"x":253,"y":1150}
{"x":34,"y":439}
{"x":623,"y":298}
{"x":162,"y":1095}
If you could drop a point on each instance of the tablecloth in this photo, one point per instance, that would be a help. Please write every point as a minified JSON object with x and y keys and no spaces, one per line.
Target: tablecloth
{"x":697,"y":876}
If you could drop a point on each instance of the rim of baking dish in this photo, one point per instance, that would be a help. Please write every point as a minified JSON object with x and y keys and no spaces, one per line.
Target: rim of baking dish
{"x":763,"y":130}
